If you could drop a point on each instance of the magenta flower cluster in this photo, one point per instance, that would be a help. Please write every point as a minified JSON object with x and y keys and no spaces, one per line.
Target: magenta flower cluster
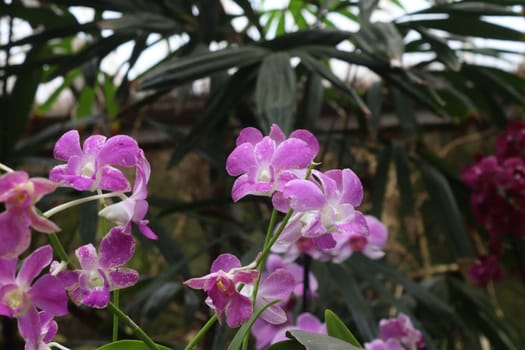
{"x":322,"y":222}
{"x":397,"y":334}
{"x":32,"y":295}
{"x":497,"y":199}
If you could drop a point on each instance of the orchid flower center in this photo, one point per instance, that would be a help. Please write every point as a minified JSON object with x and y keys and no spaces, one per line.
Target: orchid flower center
{"x":14,"y":299}
{"x":265,"y":175}
{"x":95,"y":280}
{"x":22,"y":192}
{"x":88,"y":168}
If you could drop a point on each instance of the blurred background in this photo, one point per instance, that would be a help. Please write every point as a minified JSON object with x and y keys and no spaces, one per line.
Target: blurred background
{"x":405,"y":93}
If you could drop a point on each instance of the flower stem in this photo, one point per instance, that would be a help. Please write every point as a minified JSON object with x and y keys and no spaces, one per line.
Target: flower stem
{"x":79,"y":201}
{"x":115,"y":298}
{"x":58,"y":248}
{"x":201,"y":332}
{"x":6,"y":168}
{"x":134,"y":327}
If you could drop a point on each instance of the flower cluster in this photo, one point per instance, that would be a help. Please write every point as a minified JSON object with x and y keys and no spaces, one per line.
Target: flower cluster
{"x":397,"y":334}
{"x":498,"y":197}
{"x":322,"y":222}
{"x":35,"y":297}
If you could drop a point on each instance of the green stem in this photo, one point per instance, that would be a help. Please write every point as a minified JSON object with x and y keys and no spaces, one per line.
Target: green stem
{"x":5,"y":168}
{"x":115,"y":298}
{"x":201,"y":332}
{"x":266,"y":249}
{"x":79,"y":201}
{"x":58,"y":248}
{"x":134,"y":327}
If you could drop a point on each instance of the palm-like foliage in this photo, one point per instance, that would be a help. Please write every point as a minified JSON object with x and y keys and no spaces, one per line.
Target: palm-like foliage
{"x":276,"y":69}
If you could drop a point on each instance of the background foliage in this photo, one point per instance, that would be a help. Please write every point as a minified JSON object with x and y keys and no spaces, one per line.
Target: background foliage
{"x":407,"y":133}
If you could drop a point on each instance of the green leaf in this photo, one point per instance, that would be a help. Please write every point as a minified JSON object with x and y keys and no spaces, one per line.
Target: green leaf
{"x":337,"y":329}
{"x":85,"y":102}
{"x":237,"y":340}
{"x":381,"y":40}
{"x":444,"y":53}
{"x":112,"y":107}
{"x":446,"y":209}
{"x":275,"y":92}
{"x":311,"y":103}
{"x":318,"y":67}
{"x":380,"y":180}
{"x":129,"y":345}
{"x":353,"y":297}
{"x":405,"y":113}
{"x":286,"y":345}
{"x":468,"y":26}
{"x":190,"y":68}
{"x":374,"y":100}
{"x":68,"y":80}
{"x":314,"y":341}
{"x":475,"y":8}
{"x":19,"y":105}
{"x":404,"y":183}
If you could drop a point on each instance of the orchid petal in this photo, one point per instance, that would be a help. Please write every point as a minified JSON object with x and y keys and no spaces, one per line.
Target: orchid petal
{"x":15,"y":234}
{"x":241,"y":160}
{"x":308,"y":138}
{"x":292,"y":154}
{"x":112,"y":179}
{"x":40,"y":223}
{"x":225,"y":262}
{"x":238,"y":310}
{"x":304,"y":195}
{"x":48,"y":294}
{"x":93,"y":144}
{"x":249,"y":135}
{"x":87,"y":257}
{"x":276,"y":134}
{"x":67,"y":145}
{"x":119,"y":150}
{"x":34,"y":264}
{"x":116,"y":248}
{"x":29,"y":327}
{"x":122,"y":278}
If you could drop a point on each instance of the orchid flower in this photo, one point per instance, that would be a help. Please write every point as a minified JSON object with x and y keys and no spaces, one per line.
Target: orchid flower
{"x":100,"y":273}
{"x":20,"y":194}
{"x":21,"y":296}
{"x":91,"y":167}
{"x":135,"y":207}
{"x":323,"y":205}
{"x":402,"y":329}
{"x":221,"y":285}
{"x":266,"y":163}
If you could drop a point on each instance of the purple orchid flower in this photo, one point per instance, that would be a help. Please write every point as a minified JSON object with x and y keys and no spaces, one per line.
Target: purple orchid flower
{"x":135,"y":207}
{"x":401,"y":329}
{"x":103,"y":272}
{"x":266,"y":163}
{"x":222,"y":284}
{"x":20,"y":194}
{"x":22,"y":295}
{"x":91,"y":167}
{"x":323,"y":205}
{"x":305,"y":322}
{"x":276,"y":285}
{"x":380,"y":344}
{"x":48,"y":330}
{"x":275,"y":262}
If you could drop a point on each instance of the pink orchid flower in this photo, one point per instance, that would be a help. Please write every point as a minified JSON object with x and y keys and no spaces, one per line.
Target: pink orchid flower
{"x":20,"y":194}
{"x":401,"y":329}
{"x":135,"y":207}
{"x":266,"y":163}
{"x":91,"y":167}
{"x":101,"y":273}
{"x":221,"y":285}
{"x":323,"y":205}
{"x":22,"y":295}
